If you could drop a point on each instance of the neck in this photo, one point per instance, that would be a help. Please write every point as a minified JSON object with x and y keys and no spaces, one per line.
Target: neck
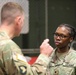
{"x":8,"y":30}
{"x":63,"y":50}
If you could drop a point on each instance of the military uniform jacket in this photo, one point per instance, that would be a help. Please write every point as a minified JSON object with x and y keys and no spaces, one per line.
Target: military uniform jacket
{"x":12,"y":61}
{"x":62,"y":63}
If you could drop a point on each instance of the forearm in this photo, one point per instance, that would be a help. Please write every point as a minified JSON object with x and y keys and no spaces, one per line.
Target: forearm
{"x":38,"y":68}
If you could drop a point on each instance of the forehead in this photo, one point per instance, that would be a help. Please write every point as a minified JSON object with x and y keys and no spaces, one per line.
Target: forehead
{"x":62,"y":30}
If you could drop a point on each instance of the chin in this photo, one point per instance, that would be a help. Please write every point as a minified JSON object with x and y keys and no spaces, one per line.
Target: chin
{"x":61,"y":47}
{"x":58,"y":46}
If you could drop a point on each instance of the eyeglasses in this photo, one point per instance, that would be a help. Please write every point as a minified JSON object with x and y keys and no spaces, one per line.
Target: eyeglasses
{"x":61,"y":36}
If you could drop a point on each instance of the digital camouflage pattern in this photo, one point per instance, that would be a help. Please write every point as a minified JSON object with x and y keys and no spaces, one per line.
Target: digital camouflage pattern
{"x":62,"y":64}
{"x":12,"y":61}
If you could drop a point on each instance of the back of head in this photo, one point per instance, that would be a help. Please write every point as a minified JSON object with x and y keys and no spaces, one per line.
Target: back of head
{"x":10,"y":10}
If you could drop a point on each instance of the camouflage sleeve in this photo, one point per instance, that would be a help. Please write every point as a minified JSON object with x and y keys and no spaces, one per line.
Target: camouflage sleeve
{"x":38,"y":68}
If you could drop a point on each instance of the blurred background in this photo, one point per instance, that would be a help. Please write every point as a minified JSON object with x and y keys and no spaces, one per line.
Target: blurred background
{"x":42,"y":18}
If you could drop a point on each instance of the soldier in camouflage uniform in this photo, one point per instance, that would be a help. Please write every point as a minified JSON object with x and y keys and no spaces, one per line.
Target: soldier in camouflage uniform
{"x":63,"y":58}
{"x":62,"y":61}
{"x":12,"y":61}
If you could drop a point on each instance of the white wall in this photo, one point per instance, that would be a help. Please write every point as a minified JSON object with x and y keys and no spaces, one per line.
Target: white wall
{"x":25,"y":6}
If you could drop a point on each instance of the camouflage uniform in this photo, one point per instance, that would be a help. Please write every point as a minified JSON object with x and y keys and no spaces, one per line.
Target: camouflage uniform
{"x":12,"y":61}
{"x":62,"y":63}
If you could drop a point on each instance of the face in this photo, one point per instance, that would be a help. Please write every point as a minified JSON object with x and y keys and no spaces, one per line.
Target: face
{"x":61,"y":37}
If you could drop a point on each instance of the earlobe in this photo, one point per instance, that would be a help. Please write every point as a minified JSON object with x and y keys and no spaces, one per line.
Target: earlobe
{"x":71,"y":39}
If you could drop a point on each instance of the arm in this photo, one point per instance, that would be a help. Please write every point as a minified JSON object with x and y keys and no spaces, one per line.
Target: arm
{"x":40,"y":66}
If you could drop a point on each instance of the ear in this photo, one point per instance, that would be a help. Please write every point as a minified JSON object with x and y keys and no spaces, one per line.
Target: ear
{"x":71,"y":39}
{"x":18,"y":20}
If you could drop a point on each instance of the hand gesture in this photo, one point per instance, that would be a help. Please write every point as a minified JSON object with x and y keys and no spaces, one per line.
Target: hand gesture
{"x":45,"y":48}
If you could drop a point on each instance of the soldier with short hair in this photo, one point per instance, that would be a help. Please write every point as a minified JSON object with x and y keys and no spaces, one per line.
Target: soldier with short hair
{"x":12,"y":61}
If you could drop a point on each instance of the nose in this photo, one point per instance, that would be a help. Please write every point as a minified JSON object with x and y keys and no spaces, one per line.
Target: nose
{"x":58,"y":37}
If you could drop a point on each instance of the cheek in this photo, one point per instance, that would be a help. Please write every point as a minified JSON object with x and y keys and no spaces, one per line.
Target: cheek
{"x":65,"y":42}
{"x":22,"y":24}
{"x":54,"y":38}
{"x":21,"y":27}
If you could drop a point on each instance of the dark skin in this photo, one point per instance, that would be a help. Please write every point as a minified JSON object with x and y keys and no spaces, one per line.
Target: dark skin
{"x":62,"y":39}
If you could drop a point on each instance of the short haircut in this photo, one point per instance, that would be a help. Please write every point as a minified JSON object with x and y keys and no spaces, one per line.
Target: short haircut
{"x":11,"y":10}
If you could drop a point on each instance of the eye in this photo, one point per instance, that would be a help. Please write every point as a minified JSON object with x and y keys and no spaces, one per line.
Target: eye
{"x":61,"y":36}
{"x":56,"y":34}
